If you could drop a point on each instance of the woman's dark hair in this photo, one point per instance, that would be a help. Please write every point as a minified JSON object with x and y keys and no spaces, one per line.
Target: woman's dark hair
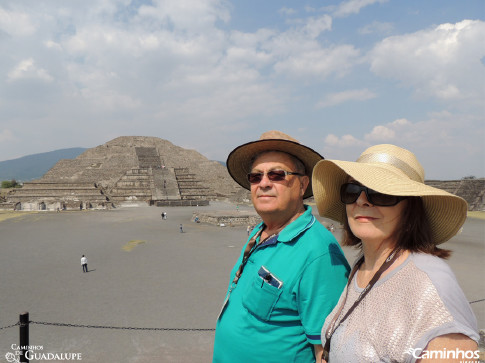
{"x":414,"y":234}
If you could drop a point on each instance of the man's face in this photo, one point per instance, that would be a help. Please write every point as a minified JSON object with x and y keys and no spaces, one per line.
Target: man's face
{"x":277,"y":198}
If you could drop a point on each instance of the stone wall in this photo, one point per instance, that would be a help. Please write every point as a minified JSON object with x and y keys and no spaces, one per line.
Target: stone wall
{"x":472,"y":190}
{"x":57,"y":196}
{"x":227,"y":218}
{"x":180,"y":203}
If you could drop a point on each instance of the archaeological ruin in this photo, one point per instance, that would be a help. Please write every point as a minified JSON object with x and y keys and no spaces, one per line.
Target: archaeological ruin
{"x":155,"y":171}
{"x":127,"y":169}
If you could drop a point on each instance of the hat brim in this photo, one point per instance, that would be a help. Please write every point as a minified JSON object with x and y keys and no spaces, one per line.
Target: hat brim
{"x":446,"y":212}
{"x":239,"y":160}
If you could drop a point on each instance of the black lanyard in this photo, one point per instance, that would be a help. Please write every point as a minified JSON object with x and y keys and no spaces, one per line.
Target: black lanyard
{"x":250,"y":248}
{"x":331,"y":327}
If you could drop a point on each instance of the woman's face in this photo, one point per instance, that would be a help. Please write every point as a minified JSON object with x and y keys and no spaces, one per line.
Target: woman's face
{"x":372,"y":223}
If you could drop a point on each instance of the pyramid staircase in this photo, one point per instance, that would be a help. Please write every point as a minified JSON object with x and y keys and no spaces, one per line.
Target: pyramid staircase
{"x":158,"y":184}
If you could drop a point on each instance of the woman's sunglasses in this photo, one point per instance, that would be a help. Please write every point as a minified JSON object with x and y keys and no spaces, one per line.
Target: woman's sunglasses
{"x":350,"y":192}
{"x":273,"y":175}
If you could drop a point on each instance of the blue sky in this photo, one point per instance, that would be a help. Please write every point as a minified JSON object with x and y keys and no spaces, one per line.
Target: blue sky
{"x":209,"y":75}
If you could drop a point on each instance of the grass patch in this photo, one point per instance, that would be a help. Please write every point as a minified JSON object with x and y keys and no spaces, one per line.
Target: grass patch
{"x":476,"y":214}
{"x":132,"y":244}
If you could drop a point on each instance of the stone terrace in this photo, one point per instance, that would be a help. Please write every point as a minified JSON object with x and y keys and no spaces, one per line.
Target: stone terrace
{"x":472,"y":190}
{"x":130,"y":168}
{"x":58,"y":196}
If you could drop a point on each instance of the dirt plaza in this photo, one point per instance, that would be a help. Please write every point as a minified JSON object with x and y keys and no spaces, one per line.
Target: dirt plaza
{"x":143,"y":273}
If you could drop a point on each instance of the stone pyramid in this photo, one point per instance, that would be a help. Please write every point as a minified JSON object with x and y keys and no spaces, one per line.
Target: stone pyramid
{"x":129,"y":168}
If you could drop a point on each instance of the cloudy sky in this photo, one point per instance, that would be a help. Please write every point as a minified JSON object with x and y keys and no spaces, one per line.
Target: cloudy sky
{"x":212,"y":74}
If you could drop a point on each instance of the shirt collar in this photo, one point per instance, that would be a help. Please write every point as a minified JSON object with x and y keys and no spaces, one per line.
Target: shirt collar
{"x":295,"y":228}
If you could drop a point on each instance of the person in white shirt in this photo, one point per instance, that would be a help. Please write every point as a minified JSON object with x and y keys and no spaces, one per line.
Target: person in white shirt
{"x":84,"y":263}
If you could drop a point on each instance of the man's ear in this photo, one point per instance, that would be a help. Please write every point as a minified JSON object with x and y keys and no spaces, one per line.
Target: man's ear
{"x":304,"y":181}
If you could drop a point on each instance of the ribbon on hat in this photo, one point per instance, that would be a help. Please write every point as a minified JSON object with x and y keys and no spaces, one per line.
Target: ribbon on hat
{"x":394,"y":161}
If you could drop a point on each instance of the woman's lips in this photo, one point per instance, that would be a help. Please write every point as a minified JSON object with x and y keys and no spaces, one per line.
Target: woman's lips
{"x":364,"y":218}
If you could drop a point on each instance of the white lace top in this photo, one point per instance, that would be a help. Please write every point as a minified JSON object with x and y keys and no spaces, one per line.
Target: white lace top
{"x":403,"y":312}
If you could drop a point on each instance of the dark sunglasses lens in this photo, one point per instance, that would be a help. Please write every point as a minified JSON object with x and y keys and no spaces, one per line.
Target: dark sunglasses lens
{"x":276,"y":175}
{"x":255,"y":178}
{"x":383,"y":200}
{"x":349,"y":193}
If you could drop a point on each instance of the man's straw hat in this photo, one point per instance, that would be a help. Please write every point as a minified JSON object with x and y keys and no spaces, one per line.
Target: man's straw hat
{"x":392,"y":170}
{"x":239,"y":160}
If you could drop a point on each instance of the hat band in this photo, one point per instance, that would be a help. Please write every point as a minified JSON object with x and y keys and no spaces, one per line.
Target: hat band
{"x":392,"y":160}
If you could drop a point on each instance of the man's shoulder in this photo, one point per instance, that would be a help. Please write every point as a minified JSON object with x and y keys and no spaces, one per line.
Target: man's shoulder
{"x":319,"y":238}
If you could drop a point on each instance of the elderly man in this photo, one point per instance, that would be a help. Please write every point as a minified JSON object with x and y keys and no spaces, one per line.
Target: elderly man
{"x":291,"y":271}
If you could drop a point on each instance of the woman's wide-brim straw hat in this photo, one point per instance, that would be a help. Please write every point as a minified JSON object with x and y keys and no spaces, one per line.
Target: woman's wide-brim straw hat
{"x":240,"y":159}
{"x":391,"y":170}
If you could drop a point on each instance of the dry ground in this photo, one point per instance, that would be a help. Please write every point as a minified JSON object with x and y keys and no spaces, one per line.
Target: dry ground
{"x":143,"y":273}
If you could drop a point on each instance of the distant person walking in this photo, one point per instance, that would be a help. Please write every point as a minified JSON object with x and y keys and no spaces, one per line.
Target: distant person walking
{"x":181,"y":229}
{"x":84,"y":263}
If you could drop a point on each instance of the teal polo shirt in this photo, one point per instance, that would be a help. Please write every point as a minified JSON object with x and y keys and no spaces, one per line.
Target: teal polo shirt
{"x":289,"y":285}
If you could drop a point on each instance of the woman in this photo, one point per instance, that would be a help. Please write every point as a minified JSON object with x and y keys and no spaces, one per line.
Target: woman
{"x":402,"y":301}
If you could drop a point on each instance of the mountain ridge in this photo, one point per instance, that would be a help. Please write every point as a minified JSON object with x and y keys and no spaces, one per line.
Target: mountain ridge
{"x":34,"y":166}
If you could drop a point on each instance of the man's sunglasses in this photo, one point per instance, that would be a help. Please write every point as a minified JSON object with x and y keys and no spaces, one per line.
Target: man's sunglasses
{"x":273,"y":175}
{"x":350,"y":192}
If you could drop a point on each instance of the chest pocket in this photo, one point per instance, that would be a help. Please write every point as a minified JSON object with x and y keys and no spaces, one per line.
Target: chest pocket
{"x":261,"y":297}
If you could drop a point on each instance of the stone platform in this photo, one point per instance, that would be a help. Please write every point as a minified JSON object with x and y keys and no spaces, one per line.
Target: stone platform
{"x":180,"y":203}
{"x":228,"y":218}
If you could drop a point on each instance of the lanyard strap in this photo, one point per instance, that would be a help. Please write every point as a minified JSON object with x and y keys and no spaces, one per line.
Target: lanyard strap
{"x":331,"y":329}
{"x":250,"y":248}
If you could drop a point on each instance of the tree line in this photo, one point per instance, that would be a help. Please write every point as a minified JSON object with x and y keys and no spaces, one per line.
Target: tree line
{"x":11,"y":184}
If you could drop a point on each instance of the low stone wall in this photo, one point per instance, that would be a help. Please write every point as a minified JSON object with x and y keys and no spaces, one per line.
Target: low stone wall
{"x":61,"y":206}
{"x":226,"y":218}
{"x":180,"y":203}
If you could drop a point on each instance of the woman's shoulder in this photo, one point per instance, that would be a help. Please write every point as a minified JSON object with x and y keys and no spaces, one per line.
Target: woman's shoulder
{"x":437,"y":270}
{"x":427,"y":262}
{"x":444,"y":281}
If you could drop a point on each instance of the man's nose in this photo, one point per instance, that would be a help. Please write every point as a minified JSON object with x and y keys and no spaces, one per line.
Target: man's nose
{"x":265,"y":181}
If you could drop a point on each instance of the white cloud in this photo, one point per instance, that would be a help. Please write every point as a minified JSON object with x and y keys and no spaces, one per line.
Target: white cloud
{"x":185,"y":71}
{"x":297,"y":53}
{"x":387,"y":133}
{"x":52,"y":45}
{"x":319,"y":62}
{"x":287,"y":11}
{"x":315,"y":26}
{"x":342,"y":97}
{"x":6,"y":135}
{"x":16,"y":23}
{"x":27,"y":69}
{"x":443,"y":62}
{"x":380,"y":133}
{"x":376,"y":27}
{"x":350,"y":7}
{"x":456,"y":138}
{"x":345,"y":141}
{"x":187,"y":15}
